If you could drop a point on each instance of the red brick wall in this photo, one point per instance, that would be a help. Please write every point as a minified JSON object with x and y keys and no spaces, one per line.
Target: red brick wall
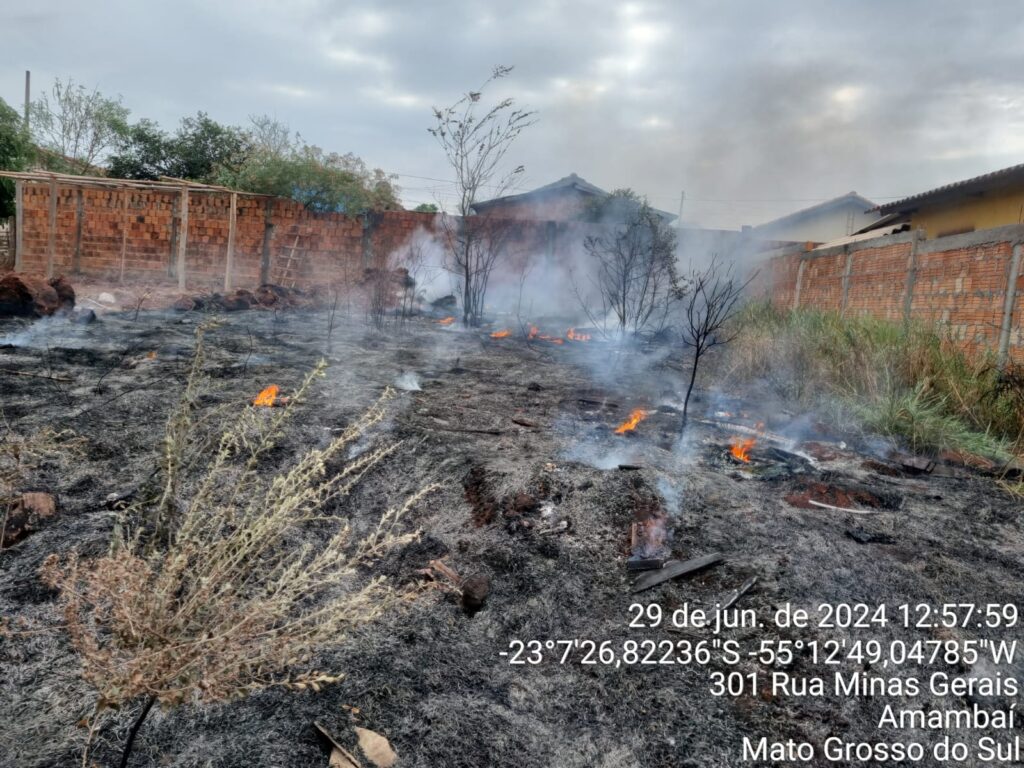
{"x":959,"y":282}
{"x":331,"y":248}
{"x":822,"y":282}
{"x":878,"y":277}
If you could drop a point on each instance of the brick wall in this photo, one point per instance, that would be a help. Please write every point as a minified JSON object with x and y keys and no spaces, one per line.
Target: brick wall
{"x":330,"y":248}
{"x":961,"y":282}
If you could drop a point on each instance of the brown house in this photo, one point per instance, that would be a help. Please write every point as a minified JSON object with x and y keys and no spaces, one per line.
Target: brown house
{"x":564,"y":200}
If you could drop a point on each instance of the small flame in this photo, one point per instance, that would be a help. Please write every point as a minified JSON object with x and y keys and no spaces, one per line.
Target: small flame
{"x":741,"y":448}
{"x":267,"y":396}
{"x":629,"y":424}
{"x":503,"y":333}
{"x":151,"y":355}
{"x":534,"y":330}
{"x":446,"y":321}
{"x":572,"y":335}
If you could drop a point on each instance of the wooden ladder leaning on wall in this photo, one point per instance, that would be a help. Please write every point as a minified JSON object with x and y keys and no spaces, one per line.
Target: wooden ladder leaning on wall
{"x":290,"y":261}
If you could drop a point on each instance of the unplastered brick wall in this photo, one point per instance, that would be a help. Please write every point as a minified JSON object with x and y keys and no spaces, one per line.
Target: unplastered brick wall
{"x":971,"y":284}
{"x":103,"y":234}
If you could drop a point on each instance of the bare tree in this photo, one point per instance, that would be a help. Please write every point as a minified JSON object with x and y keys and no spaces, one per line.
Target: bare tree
{"x":393,"y":287}
{"x":634,"y":266}
{"x":380,"y":293}
{"x":475,"y":144}
{"x":713,"y":298}
{"x":411,"y":260}
{"x":271,"y":136}
{"x":76,"y":125}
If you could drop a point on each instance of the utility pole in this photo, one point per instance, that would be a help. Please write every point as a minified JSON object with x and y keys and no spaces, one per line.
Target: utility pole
{"x":28,"y":94}
{"x":682,"y":199}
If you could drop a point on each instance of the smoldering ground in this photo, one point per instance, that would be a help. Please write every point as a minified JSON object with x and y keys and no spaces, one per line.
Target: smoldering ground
{"x":521,"y":435}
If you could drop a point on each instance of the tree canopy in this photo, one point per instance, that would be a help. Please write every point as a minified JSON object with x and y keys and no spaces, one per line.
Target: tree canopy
{"x":75,"y":128}
{"x":15,"y":150}
{"x":322,"y":181}
{"x":265,"y":158}
{"x":200,"y":150}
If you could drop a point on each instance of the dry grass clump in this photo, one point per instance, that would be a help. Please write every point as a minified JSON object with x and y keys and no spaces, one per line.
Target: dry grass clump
{"x":21,"y":454}
{"x":237,"y":583}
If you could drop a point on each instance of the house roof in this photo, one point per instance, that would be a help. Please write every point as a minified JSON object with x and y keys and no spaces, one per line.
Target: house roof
{"x":973,"y":186}
{"x":836,"y":202}
{"x":570,"y":182}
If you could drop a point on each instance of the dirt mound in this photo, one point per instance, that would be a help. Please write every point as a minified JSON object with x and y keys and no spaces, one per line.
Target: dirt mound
{"x":30,"y":295}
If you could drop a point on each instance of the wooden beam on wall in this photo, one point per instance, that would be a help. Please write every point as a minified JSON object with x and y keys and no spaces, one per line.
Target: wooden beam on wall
{"x":51,"y":235}
{"x":125,"y":219}
{"x":229,"y":264}
{"x":76,"y":260}
{"x":182,"y":239}
{"x":268,"y":236}
{"x":19,"y":224}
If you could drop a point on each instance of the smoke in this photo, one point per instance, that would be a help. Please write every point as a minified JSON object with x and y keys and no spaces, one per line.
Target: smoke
{"x":408,"y":382}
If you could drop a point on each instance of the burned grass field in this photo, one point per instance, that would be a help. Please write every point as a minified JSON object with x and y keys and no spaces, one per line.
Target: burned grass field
{"x":547,"y":512}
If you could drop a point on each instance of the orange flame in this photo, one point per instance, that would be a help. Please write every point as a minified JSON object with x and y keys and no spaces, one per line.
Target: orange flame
{"x":534,"y":330}
{"x":503,"y":333}
{"x":446,"y":321}
{"x":629,"y":424}
{"x":573,"y":336}
{"x":267,"y":396}
{"x":741,"y":448}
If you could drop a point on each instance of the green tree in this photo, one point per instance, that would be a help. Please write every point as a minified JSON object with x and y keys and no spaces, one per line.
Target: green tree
{"x":426,"y":208}
{"x":200,"y":150}
{"x":15,"y":149}
{"x":284,"y":165}
{"x":142,"y":152}
{"x":75,"y":127}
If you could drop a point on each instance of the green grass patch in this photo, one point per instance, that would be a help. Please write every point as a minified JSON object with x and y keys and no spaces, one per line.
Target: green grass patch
{"x":909,"y":380}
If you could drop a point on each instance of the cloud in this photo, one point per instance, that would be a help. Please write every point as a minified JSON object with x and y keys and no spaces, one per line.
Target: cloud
{"x":753,"y":109}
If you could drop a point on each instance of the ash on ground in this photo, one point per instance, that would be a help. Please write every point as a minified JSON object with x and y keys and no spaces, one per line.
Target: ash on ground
{"x":539,"y":496}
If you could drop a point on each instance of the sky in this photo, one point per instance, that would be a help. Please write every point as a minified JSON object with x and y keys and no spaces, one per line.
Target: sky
{"x":753,"y":109}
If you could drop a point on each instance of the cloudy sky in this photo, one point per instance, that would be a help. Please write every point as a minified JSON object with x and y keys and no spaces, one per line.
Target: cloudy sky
{"x":755,"y":109}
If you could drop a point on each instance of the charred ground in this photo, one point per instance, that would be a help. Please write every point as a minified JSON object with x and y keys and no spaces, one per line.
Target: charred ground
{"x":521,"y":437}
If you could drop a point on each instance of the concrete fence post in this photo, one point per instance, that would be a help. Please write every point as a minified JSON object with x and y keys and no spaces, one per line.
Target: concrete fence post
{"x":847,"y":270}
{"x":1009,"y":302}
{"x":908,"y":286}
{"x":799,"y":283}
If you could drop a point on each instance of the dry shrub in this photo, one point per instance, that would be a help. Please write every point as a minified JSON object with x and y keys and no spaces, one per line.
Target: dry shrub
{"x":248,"y":575}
